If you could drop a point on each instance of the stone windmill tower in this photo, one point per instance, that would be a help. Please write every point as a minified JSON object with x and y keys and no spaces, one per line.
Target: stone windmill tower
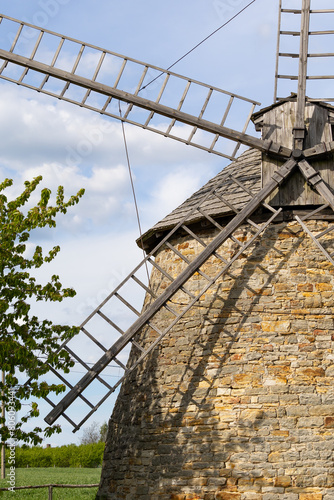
{"x":228,"y":388}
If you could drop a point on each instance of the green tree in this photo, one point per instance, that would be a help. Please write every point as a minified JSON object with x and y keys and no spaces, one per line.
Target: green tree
{"x":90,"y":434}
{"x":103,"y":432}
{"x":28,"y":344}
{"x":94,"y":434}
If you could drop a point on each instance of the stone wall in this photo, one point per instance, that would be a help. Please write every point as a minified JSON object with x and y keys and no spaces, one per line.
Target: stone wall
{"x":237,"y":402}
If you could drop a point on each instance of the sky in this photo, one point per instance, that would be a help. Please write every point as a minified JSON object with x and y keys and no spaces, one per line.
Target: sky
{"x":76,"y":148}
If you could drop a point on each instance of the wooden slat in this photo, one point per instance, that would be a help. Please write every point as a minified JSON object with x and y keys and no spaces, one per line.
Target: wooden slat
{"x":299,"y":129}
{"x":146,"y":104}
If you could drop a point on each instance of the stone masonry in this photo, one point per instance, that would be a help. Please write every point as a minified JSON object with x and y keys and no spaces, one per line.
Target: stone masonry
{"x":237,"y":402}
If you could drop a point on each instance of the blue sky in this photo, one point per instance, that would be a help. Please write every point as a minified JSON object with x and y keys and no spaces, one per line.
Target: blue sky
{"x":42,"y":136}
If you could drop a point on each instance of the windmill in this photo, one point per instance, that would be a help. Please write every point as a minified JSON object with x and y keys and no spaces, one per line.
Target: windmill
{"x":286,"y":177}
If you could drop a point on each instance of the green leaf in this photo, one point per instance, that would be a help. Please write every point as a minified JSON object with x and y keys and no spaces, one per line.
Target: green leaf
{"x":24,"y":339}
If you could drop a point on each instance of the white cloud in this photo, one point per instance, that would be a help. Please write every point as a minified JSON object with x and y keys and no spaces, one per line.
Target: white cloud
{"x":78,"y":148}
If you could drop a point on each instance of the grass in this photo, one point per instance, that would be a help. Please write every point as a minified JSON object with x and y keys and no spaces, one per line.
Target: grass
{"x":52,"y":475}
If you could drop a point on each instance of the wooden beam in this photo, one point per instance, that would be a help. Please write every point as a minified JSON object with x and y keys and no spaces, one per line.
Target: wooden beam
{"x":315,"y":180}
{"x":299,"y":130}
{"x":319,"y":150}
{"x":248,"y":140}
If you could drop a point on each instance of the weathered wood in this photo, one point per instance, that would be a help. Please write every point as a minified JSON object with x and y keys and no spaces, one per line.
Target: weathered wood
{"x":158,"y":108}
{"x":314,"y":239}
{"x":314,"y":178}
{"x":299,"y":129}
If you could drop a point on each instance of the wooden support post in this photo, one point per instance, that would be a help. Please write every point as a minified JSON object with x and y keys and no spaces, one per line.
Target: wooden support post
{"x":299,"y":130}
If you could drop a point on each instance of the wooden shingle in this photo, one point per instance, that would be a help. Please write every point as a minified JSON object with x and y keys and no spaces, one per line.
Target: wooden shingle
{"x":247,"y":168}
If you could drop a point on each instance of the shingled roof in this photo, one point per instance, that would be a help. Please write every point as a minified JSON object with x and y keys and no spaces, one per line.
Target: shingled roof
{"x":247,"y":168}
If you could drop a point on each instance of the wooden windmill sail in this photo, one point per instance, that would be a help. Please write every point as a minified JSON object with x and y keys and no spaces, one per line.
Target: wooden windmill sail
{"x":292,"y":154}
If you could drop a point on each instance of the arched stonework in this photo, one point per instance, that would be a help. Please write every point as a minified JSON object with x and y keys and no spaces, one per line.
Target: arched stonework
{"x":237,"y":402}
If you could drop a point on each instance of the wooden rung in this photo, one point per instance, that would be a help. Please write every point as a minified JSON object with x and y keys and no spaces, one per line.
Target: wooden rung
{"x":233,"y":238}
{"x":127,"y":304}
{"x":106,"y":104}
{"x":314,"y":212}
{"x":184,"y":95}
{"x":187,"y":261}
{"x":318,"y":244}
{"x":111,"y":323}
{"x":160,"y":269}
{"x":66,"y":382}
{"x":168,"y":276}
{"x":327,"y":32}
{"x":119,"y":363}
{"x":40,"y":36}
{"x":269,"y":207}
{"x":251,"y":223}
{"x":291,"y":11}
{"x":322,"y":11}
{"x":320,"y":77}
{"x":176,"y":251}
{"x":192,"y":133}
{"x":82,"y":363}
{"x":139,"y":347}
{"x":23,"y":75}
{"x":210,"y":219}
{"x":127,"y":112}
{"x":328,"y":54}
{"x":162,"y":88}
{"x":91,"y":337}
{"x":171,"y":310}
{"x":146,"y":288}
{"x":286,"y":54}
{"x":155,"y":328}
{"x":64,"y":89}
{"x":17,"y":36}
{"x":242,"y":186}
{"x":55,"y":57}
{"x":3,"y":66}
{"x":293,"y":33}
{"x":227,"y":110}
{"x":51,"y":403}
{"x":82,"y":48}
{"x":161,"y":91}
{"x":137,"y":90}
{"x":328,"y":230}
{"x":288,"y":77}
{"x":187,"y":292}
{"x":206,"y":102}
{"x":170,"y":126}
{"x":120,"y":72}
{"x":193,"y":235}
{"x":97,"y":70}
{"x":218,"y":256}
{"x":43,"y":82}
{"x":98,"y":67}
{"x":226,"y":202}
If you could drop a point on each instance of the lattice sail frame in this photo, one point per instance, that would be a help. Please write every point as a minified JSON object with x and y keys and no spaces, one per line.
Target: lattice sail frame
{"x":167,"y":298}
{"x":90,"y":77}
